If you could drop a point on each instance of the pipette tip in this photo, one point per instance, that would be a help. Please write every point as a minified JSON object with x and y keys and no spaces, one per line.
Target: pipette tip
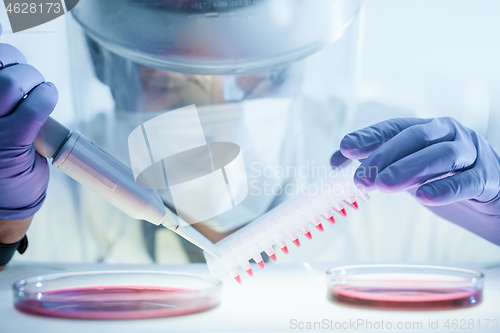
{"x":308,"y":235}
{"x":296,"y":242}
{"x":353,"y":204}
{"x":261,"y":264}
{"x":317,"y":224}
{"x":331,"y":219}
{"x":343,"y":212}
{"x":195,"y":237}
{"x":238,"y":279}
{"x":273,"y":257}
{"x":250,"y":271}
{"x":363,"y":195}
{"x":284,"y":249}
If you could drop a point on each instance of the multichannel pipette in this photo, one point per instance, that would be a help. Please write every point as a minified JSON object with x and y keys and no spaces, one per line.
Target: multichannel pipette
{"x":79,"y":158}
{"x":282,"y":223}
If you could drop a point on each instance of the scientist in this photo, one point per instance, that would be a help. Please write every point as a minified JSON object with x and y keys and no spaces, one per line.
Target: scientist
{"x":259,"y":111}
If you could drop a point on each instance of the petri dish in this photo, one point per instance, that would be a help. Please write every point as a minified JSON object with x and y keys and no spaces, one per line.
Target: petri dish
{"x":116,"y":294}
{"x":405,"y":287}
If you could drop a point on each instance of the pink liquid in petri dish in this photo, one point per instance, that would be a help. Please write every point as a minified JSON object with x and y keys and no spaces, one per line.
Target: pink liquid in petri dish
{"x":111,"y":302}
{"x":406,"y":298}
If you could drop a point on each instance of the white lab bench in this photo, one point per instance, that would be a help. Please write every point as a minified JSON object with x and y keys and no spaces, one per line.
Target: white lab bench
{"x":283,"y":297}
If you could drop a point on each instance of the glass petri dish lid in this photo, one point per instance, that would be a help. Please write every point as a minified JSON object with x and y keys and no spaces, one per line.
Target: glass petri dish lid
{"x":405,"y":287}
{"x":116,"y":294}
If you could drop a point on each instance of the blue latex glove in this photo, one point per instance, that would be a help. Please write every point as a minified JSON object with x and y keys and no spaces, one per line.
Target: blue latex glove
{"x":448,"y":167}
{"x":24,"y":174}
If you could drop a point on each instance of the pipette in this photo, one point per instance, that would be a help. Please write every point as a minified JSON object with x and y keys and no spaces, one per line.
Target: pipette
{"x":79,"y":158}
{"x":282,"y":223}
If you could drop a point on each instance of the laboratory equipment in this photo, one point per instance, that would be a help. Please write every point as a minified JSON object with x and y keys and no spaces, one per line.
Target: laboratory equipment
{"x":448,"y":167}
{"x":282,"y":223}
{"x":83,"y":161}
{"x":405,"y":287}
{"x":116,"y":294}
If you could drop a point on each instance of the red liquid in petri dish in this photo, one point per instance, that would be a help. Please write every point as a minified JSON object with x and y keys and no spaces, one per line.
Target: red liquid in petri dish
{"x":111,"y":302}
{"x":406,"y":298}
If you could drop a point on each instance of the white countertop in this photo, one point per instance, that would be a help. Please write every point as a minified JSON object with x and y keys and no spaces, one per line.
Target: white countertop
{"x":276,"y":299}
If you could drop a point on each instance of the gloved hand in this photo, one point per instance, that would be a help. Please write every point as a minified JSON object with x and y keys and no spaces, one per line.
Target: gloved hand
{"x":449,"y":168}
{"x":24,"y":174}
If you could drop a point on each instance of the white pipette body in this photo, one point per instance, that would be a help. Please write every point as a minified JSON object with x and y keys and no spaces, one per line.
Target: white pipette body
{"x":82,"y":160}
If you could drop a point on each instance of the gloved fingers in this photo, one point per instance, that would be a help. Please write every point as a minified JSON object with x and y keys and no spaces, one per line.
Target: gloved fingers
{"x":15,"y":82}
{"x":425,"y":164}
{"x":9,"y":55}
{"x":360,"y":144}
{"x":337,"y":159}
{"x":32,"y":113}
{"x":405,"y":143}
{"x":488,"y":167}
{"x":465,"y":185}
{"x":26,"y":188}
{"x":480,"y":183}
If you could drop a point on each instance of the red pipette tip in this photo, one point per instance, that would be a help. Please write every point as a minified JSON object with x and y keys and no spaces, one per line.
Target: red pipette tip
{"x":284,"y":249}
{"x":343,"y":212}
{"x":273,"y":257}
{"x":331,"y":219}
{"x":308,"y":235}
{"x":353,"y":204}
{"x":320,"y":227}
{"x":250,"y":272}
{"x":261,"y":264}
{"x":237,"y":278}
{"x":296,"y":242}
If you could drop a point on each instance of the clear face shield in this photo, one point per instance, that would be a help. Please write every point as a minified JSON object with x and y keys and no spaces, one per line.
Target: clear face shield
{"x":275,"y":77}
